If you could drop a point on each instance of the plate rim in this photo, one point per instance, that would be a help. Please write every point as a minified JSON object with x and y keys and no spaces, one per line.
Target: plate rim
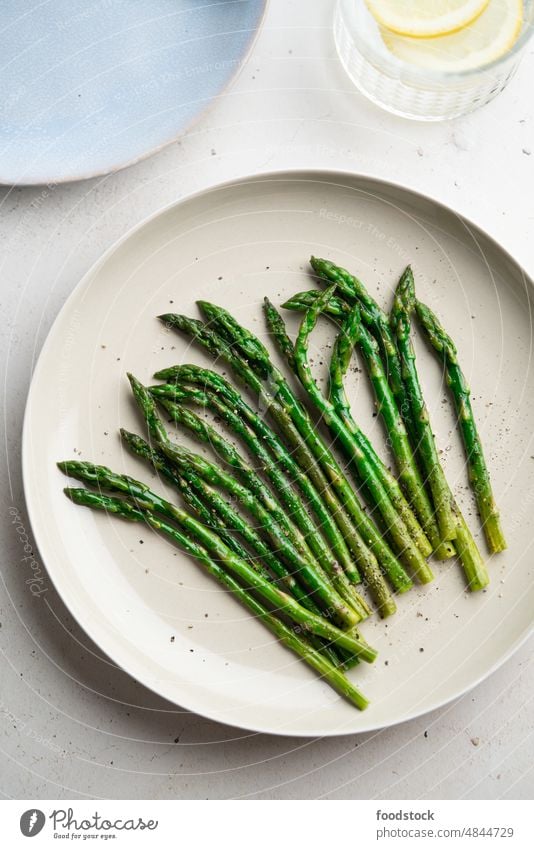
{"x":91,"y":175}
{"x":288,"y":174}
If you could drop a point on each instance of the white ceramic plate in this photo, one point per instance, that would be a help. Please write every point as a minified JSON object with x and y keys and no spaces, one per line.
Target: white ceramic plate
{"x":151,"y":608}
{"x":88,"y":88}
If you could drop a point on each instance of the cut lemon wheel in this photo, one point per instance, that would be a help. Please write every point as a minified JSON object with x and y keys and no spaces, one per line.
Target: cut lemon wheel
{"x":425,"y":18}
{"x":488,"y":38}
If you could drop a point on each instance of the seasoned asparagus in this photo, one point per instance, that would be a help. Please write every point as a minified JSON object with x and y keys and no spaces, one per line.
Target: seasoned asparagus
{"x":478,"y":470}
{"x":401,"y":315}
{"x":353,"y":331}
{"x":192,"y":544}
{"x":354,"y":448}
{"x":217,"y":514}
{"x":219,"y":388}
{"x":309,"y":449}
{"x":339,"y":362}
{"x":473,"y":565}
{"x":296,"y":510}
{"x":284,"y":536}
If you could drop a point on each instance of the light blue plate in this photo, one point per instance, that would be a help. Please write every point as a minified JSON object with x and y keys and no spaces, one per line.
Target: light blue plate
{"x":90,"y":86}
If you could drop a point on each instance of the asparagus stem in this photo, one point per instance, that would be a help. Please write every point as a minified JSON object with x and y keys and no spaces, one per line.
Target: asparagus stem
{"x":353,"y":291}
{"x":369,"y":566}
{"x":254,"y":581}
{"x":470,"y":557}
{"x":210,"y":506}
{"x":401,"y":314}
{"x":336,"y":307}
{"x":360,"y":453}
{"x":219,"y":389}
{"x":216,"y":513}
{"x":473,"y":565}
{"x":346,"y":339}
{"x":286,"y":538}
{"x":353,"y":332}
{"x":276,"y":398}
{"x":479,"y":476}
{"x":354,"y":449}
{"x":296,"y":510}
{"x":259,"y":360}
{"x":388,"y":409}
{"x":256,"y":436}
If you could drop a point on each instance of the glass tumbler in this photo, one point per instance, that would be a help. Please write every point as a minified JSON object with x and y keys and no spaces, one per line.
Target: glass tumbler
{"x":414,"y":92}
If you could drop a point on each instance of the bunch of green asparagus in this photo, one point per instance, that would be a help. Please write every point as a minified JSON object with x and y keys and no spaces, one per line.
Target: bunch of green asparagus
{"x":280,"y":523}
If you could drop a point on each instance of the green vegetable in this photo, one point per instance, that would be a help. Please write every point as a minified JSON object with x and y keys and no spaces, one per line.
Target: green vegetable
{"x":355,"y":449}
{"x":296,"y":510}
{"x":217,"y":514}
{"x":478,"y":470}
{"x":258,"y":357}
{"x":275,"y":398}
{"x":450,"y":518}
{"x":283,"y":535}
{"x":254,"y":582}
{"x":375,"y":319}
{"x":222,"y":396}
{"x":401,"y":315}
{"x":353,"y":332}
{"x":339,"y":363}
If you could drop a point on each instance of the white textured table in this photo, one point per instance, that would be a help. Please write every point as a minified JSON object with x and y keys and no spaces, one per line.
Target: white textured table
{"x":73,"y":726}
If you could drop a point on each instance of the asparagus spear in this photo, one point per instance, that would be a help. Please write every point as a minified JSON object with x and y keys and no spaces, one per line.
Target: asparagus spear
{"x":258,"y":357}
{"x":353,"y":291}
{"x":363,"y":555}
{"x":296,"y":509}
{"x":283,"y":535}
{"x":401,"y":314}
{"x":354,"y":332}
{"x":254,"y":582}
{"x":357,"y":448}
{"x":217,"y":395}
{"x":354,"y":449}
{"x":103,"y":477}
{"x":336,"y":307}
{"x":309,"y":449}
{"x":478,"y":471}
{"x":473,"y":565}
{"x":338,"y":364}
{"x":207,"y":505}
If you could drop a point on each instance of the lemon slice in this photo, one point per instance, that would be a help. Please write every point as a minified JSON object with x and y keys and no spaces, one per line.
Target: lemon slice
{"x":490,"y":36}
{"x":424,"y":18}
